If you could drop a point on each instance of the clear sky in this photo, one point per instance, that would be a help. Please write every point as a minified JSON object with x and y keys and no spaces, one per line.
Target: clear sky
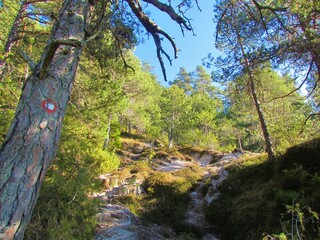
{"x":192,"y":48}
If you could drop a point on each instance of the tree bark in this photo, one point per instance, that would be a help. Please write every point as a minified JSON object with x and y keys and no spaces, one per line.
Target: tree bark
{"x":32,"y":139}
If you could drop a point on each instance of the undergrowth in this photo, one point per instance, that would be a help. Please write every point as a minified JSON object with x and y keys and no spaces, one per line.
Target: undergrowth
{"x":65,"y":208}
{"x":258,"y":196}
{"x":166,"y":199}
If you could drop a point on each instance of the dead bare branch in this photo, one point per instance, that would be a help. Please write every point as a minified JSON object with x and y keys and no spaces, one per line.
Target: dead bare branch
{"x":170,"y":11}
{"x":126,"y":65}
{"x":155,"y":30}
{"x":312,"y":90}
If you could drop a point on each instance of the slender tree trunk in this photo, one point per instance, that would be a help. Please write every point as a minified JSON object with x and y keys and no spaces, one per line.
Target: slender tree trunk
{"x":32,"y":139}
{"x":12,"y":38}
{"x":263,"y":124}
{"x":129,"y":126}
{"x":252,"y":87}
{"x":107,"y":139}
{"x":239,"y":141}
{"x":171,"y":132}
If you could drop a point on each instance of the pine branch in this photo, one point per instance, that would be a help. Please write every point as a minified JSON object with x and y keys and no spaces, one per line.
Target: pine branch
{"x":305,"y":121}
{"x":51,"y":51}
{"x":26,"y":58}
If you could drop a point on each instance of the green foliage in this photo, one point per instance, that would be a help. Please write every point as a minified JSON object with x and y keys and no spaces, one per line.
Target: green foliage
{"x":189,"y":109}
{"x":258,"y":194}
{"x":59,"y":215}
{"x":241,"y":121}
{"x":175,"y":108}
{"x":107,"y":96}
{"x":65,"y":208}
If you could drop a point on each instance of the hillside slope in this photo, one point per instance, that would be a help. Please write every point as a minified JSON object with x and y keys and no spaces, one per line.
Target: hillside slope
{"x":160,"y":193}
{"x":271,"y":200}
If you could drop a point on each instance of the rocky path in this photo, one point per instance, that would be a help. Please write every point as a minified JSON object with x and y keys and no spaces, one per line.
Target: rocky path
{"x":195,"y":215}
{"x":117,"y":222}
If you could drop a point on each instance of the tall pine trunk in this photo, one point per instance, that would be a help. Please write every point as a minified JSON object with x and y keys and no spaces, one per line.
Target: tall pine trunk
{"x":32,"y":139}
{"x":263,"y":124}
{"x":256,"y":102}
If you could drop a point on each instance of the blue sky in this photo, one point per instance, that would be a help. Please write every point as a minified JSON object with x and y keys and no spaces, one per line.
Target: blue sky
{"x":192,"y":48}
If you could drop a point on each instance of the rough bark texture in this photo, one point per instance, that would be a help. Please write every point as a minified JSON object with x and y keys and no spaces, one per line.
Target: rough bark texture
{"x":32,"y":139}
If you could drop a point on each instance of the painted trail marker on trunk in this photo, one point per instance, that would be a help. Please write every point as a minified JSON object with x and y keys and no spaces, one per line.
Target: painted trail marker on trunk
{"x":49,"y":105}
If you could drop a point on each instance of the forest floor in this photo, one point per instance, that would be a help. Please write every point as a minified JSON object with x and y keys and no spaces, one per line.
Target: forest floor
{"x":116,"y":221}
